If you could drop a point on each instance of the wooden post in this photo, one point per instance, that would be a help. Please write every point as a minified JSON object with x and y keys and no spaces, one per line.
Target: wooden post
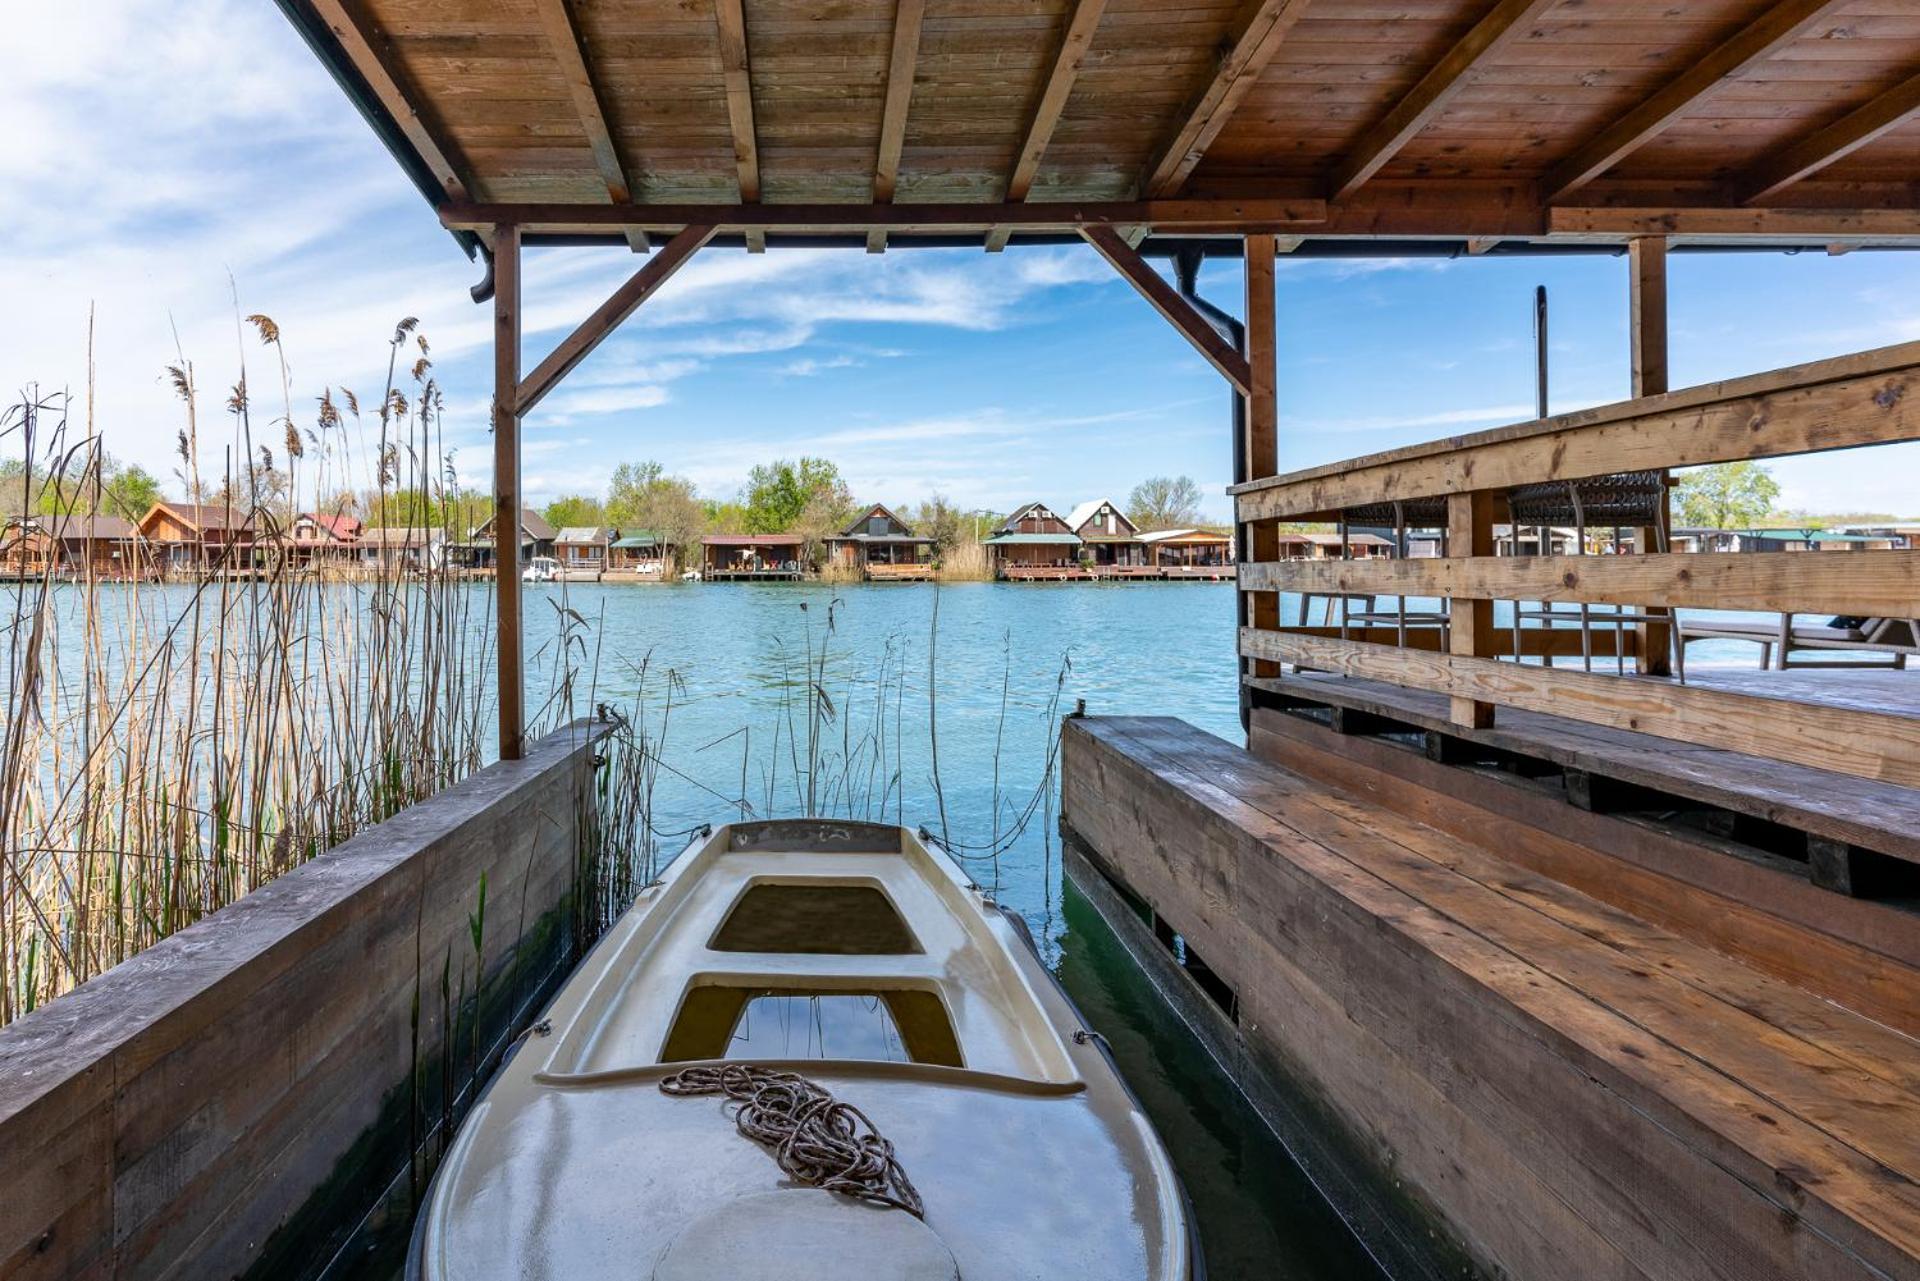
{"x":1263,"y":420}
{"x":1647,"y":303}
{"x":506,"y":487}
{"x":1470,"y":621}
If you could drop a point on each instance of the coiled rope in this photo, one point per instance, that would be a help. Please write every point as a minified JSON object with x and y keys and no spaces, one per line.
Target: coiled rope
{"x":816,"y":1139}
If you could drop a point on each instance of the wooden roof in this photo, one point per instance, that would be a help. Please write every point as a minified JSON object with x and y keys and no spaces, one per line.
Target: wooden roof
{"x":1796,"y":121}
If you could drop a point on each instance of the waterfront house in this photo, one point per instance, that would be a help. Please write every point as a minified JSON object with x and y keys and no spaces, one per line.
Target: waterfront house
{"x":1034,"y":542}
{"x":1111,"y":541}
{"x":104,"y":547}
{"x":638,"y":554}
{"x":751,"y":557}
{"x":184,"y":537}
{"x":1189,"y":553}
{"x":879,"y":545}
{"x":324,"y":537}
{"x":399,"y":548}
{"x":536,"y":539}
{"x":581,"y":551}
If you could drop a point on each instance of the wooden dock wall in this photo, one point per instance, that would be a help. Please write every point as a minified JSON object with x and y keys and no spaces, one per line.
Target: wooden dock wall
{"x":1572,"y":1093}
{"x":239,"y":1098}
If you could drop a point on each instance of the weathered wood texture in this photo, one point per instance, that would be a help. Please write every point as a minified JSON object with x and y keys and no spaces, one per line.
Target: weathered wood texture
{"x":1863,"y":955}
{"x":1577,"y":1092}
{"x":1848,"y":740}
{"x":1874,"y":584}
{"x":233,"y":1100}
{"x":1862,"y":399}
{"x":1842,"y":807}
{"x":509,"y":624}
{"x":1446,"y":117}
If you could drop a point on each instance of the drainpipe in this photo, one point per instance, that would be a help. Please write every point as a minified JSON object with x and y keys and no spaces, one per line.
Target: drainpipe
{"x":1186,"y":270}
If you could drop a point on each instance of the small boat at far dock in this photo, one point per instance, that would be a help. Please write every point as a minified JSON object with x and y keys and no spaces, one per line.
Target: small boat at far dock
{"x":811,"y":1050}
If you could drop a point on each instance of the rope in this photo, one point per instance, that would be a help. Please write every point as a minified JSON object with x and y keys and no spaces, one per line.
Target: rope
{"x":816,"y":1139}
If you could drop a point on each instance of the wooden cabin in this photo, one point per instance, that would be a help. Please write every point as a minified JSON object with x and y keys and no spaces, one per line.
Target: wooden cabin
{"x":478,"y":552}
{"x":752,"y":558}
{"x":582,"y":552}
{"x":1201,"y":554}
{"x":198,"y":537}
{"x":101,"y":547}
{"x":879,"y":546}
{"x":638,"y":554}
{"x":1034,"y":542}
{"x":1110,"y":541}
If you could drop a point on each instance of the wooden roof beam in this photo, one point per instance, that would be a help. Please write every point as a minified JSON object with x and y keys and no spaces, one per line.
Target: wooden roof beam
{"x":372,"y":55}
{"x":893,"y":118}
{"x":737,"y":73}
{"x":595,"y":329}
{"x":1506,"y":21}
{"x":1074,"y":43}
{"x":1166,"y":300}
{"x":1844,"y":136}
{"x":569,"y":51}
{"x":1254,"y":39}
{"x":1225,"y":216}
{"x":1779,"y":26}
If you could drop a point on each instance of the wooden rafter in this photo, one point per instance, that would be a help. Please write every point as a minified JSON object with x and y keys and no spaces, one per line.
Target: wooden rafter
{"x":569,"y":51}
{"x":731,"y":17}
{"x":372,"y":57}
{"x":1844,"y":136}
{"x":1166,"y":300}
{"x":1833,"y":225}
{"x":595,"y":329}
{"x":1506,"y":21}
{"x":1257,"y":34}
{"x":1074,"y":43}
{"x":1779,"y":26}
{"x":893,"y":118}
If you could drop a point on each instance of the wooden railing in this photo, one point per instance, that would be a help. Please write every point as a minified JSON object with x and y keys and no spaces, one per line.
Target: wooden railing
{"x":1864,"y":399}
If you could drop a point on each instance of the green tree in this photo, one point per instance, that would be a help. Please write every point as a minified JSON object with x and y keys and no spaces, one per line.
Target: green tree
{"x":779,"y":493}
{"x":940,"y":520}
{"x":1726,"y":496}
{"x":575,"y":510}
{"x":1164,"y":502}
{"x":642,"y":497}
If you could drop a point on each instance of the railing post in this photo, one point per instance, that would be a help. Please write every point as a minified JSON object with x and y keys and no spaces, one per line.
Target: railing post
{"x":506,"y":488}
{"x":1470,"y":621}
{"x":1647,"y":302}
{"x":1263,"y":419}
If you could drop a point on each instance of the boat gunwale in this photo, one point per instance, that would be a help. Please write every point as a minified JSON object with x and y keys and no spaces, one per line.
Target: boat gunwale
{"x":921,"y":1073}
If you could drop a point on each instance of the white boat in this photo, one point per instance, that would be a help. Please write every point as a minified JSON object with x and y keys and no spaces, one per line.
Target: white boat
{"x":854,"y":956}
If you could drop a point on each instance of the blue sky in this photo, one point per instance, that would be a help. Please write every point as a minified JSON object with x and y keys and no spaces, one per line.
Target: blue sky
{"x":163,"y":159}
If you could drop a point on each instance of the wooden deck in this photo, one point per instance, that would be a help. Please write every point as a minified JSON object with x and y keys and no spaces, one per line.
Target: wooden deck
{"x":1837,"y":806}
{"x":1575,"y":1089}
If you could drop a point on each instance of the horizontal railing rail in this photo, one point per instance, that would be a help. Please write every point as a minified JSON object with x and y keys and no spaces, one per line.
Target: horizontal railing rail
{"x":1380,"y":624}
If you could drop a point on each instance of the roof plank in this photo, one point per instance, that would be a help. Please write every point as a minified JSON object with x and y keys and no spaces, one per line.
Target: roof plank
{"x":1778,"y":26}
{"x":1502,"y":24}
{"x":1844,"y":136}
{"x":1257,"y":35}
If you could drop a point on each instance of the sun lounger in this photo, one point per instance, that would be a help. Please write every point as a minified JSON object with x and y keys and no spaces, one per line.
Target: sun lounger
{"x":1899,"y":638}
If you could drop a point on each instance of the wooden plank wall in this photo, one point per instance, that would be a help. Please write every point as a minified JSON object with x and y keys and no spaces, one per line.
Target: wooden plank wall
{"x":1576,"y":1093}
{"x":234,"y":1100}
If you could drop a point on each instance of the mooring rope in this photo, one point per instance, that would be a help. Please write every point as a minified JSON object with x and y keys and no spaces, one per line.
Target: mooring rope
{"x":815,"y":1137}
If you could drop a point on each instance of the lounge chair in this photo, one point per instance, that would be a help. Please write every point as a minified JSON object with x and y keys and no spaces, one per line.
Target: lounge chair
{"x":1899,"y":638}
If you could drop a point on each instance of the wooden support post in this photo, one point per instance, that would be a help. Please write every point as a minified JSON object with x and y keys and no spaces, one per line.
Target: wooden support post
{"x":1470,"y":625}
{"x":1647,"y":301}
{"x":1263,"y":420}
{"x":506,"y":488}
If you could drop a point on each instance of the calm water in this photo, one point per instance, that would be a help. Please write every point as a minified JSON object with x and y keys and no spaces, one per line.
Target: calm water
{"x":1145,"y":648}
